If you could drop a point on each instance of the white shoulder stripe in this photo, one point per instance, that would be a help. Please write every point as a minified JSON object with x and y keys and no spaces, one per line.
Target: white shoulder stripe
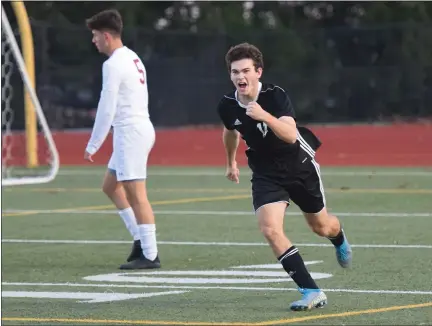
{"x":271,"y":89}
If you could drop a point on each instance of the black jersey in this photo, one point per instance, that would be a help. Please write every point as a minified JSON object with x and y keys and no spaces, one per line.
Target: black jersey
{"x":256,"y":134}
{"x":263,"y":145}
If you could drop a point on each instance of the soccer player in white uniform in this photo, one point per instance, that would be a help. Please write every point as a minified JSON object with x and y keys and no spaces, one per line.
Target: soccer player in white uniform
{"x":123,"y":105}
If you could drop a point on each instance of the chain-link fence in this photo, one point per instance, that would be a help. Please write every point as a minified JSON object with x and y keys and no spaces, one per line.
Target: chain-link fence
{"x":332,"y":75}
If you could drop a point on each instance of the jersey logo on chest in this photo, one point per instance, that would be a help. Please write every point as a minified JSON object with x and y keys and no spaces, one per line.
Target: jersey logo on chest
{"x":262,"y":127}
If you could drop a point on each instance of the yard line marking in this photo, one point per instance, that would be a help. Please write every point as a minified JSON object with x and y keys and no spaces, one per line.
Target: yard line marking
{"x":90,"y":297}
{"x":347,"y":190}
{"x":220,"y":172}
{"x":343,"y":314}
{"x":198,"y":212}
{"x":378,"y":191}
{"x":124,"y":322}
{"x":155,"y":203}
{"x":195,"y":287}
{"x":378,"y":173}
{"x":198,"y":243}
{"x":344,"y":214}
{"x":180,"y":190}
{"x":271,"y":322}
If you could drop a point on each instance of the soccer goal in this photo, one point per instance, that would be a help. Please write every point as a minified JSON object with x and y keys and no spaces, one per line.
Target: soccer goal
{"x":29,"y":154}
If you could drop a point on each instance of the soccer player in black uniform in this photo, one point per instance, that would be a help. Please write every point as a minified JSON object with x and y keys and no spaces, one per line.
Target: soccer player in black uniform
{"x":281,"y":156}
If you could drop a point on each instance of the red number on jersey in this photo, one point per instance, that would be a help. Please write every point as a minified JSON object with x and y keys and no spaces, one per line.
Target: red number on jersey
{"x":136,"y":61}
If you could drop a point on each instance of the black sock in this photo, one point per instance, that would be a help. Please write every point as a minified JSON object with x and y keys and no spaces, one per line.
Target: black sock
{"x":293,"y":264}
{"x":339,"y":239}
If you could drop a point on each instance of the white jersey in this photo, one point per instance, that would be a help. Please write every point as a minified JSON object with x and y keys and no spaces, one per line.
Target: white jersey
{"x":124,"y":96}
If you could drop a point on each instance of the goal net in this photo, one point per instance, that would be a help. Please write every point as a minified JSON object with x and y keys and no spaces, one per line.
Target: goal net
{"x":27,"y":158}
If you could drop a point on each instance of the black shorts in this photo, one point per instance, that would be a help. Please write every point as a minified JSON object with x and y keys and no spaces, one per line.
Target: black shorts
{"x":299,"y":182}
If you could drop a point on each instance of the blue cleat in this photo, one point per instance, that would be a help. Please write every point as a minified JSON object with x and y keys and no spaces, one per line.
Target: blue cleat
{"x":312,"y":298}
{"x":344,"y":254}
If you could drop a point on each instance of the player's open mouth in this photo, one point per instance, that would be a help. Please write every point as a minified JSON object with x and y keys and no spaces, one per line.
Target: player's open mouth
{"x":242,"y":86}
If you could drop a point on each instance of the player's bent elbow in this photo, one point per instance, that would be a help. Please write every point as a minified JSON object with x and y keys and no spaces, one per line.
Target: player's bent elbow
{"x":291,"y":139}
{"x":289,"y":136}
{"x":288,"y":129}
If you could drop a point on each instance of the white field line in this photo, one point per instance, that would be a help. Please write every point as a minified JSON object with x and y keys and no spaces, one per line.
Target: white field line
{"x":229,"y":213}
{"x":198,"y":243}
{"x":221,"y":173}
{"x":245,"y":288}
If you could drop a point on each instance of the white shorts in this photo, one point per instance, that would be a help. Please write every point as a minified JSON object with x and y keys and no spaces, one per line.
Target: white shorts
{"x":131,"y":147}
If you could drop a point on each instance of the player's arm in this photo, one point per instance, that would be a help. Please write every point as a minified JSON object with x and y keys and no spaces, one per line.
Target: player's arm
{"x":106,"y":108}
{"x":230,"y":136}
{"x":281,"y":120}
{"x":231,"y":139}
{"x":231,"y":143}
{"x":284,"y":128}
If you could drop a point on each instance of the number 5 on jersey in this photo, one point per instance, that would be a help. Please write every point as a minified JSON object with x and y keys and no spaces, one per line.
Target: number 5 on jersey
{"x":142,"y":80}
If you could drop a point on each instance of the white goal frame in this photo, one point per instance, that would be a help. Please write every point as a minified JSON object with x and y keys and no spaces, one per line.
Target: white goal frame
{"x":55,"y":164}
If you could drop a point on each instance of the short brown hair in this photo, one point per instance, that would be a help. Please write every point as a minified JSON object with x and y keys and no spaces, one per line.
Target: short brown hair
{"x":244,"y":51}
{"x":107,"y":20}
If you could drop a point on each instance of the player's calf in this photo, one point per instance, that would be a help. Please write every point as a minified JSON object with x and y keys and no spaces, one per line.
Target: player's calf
{"x":137,"y":196}
{"x":322,"y":223}
{"x":270,"y":219}
{"x":116,"y":193}
{"x":329,"y":226}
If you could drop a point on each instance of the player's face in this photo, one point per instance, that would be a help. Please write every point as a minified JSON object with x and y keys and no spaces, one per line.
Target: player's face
{"x":245,"y":76}
{"x":100,"y":41}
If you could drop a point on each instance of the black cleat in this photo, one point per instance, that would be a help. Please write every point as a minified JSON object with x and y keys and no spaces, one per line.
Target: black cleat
{"x":142,"y":263}
{"x":136,"y":251}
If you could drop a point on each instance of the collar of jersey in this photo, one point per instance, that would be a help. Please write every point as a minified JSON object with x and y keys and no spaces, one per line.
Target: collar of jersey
{"x":120,"y":48}
{"x":255,"y":99}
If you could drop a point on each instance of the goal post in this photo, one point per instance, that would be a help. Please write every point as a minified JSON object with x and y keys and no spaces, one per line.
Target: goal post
{"x":28,"y":55}
{"x":16,"y":167}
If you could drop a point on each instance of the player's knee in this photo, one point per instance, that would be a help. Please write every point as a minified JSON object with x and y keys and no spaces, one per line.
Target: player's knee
{"x":271,"y":233}
{"x":109,"y":184}
{"x":108,"y":189}
{"x":137,"y":197}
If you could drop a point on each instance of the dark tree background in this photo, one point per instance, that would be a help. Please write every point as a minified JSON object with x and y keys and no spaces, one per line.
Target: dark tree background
{"x":339,"y":61}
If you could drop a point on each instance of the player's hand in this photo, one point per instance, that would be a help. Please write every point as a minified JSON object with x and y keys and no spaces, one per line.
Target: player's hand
{"x":256,"y":112}
{"x":88,"y":157}
{"x":233,"y":173}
